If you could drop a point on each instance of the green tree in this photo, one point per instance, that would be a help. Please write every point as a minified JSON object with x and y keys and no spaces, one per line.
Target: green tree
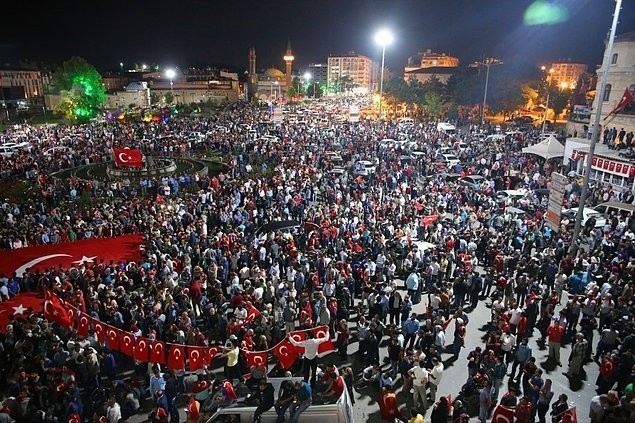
{"x":80,"y":88}
{"x":169,"y":98}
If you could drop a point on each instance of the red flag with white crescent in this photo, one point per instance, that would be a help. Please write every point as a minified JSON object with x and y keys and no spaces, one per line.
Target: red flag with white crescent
{"x":326,"y":346}
{"x":72,"y":315}
{"x":176,"y":357}
{"x":83,"y":324}
{"x":570,"y":416}
{"x":20,"y":307}
{"x":298,"y":336}
{"x":196,"y":358}
{"x":255,"y":358}
{"x":127,"y":344}
{"x":126,"y":157}
{"x":503,"y":415}
{"x":286,"y":353}
{"x":252,"y":312}
{"x":100,"y":330}
{"x":55,"y":311}
{"x":113,"y":336}
{"x":123,"y":248}
{"x":210,"y":353}
{"x":158,"y":352}
{"x":142,"y":349}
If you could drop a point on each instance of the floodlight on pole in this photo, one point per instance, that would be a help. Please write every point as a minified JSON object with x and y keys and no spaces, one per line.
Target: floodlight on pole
{"x":383,"y":38}
{"x":170,"y":74}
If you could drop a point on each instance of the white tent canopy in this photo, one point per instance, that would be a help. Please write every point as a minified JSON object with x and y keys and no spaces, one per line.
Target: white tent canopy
{"x":548,"y":148}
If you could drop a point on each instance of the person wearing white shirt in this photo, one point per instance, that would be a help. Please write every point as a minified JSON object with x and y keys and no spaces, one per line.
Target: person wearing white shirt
{"x":419,"y":376}
{"x":310,"y":345}
{"x":113,"y":413}
{"x":435,"y":375}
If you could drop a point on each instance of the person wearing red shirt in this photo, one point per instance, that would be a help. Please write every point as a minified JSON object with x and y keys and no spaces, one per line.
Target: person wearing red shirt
{"x":524,"y":411}
{"x":196,"y":296}
{"x":388,"y":406}
{"x":555,"y":332}
{"x":608,"y":372}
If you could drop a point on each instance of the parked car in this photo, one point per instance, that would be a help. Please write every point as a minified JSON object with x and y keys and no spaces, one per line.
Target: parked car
{"x":587,"y":214}
{"x":472,"y":181}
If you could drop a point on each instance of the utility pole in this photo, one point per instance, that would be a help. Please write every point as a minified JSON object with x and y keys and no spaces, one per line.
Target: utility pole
{"x":608,"y":52}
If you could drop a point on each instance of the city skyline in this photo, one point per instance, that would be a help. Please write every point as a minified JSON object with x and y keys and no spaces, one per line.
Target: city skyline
{"x":200,"y":32}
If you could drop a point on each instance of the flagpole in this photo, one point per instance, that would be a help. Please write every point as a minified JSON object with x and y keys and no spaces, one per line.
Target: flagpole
{"x":573,"y":247}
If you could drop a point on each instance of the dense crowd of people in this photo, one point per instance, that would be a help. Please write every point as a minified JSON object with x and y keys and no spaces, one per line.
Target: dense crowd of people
{"x":363,"y":251}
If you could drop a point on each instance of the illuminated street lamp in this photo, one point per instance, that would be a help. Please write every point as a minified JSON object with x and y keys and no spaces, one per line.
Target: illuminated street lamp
{"x":383,"y":38}
{"x":170,"y":74}
{"x":487,"y":63}
{"x":307,"y":78}
{"x":544,"y":121}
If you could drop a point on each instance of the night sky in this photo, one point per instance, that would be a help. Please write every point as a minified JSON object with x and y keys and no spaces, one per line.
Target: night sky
{"x":194,"y":32}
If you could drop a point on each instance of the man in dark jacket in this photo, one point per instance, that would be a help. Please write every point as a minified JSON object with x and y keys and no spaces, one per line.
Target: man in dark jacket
{"x":265,"y":399}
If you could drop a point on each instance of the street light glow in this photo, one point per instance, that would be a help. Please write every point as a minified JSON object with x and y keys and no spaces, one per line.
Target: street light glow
{"x":170,"y":73}
{"x":384,"y":37}
{"x":307,"y":76}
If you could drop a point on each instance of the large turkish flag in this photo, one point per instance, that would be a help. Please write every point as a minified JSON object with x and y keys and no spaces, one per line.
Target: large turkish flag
{"x":71,"y":254}
{"x":127,"y":343}
{"x":113,"y":336}
{"x":20,"y":307}
{"x":100,"y":330}
{"x":176,"y":358}
{"x":126,"y":157}
{"x":142,"y":349}
{"x":210,"y":353}
{"x":158,"y":352}
{"x":83,"y":324}
{"x":257,"y":358}
{"x":503,"y":415}
{"x":286,"y":353}
{"x":196,"y":358}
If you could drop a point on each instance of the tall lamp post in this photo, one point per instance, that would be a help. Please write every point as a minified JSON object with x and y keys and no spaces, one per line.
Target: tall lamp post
{"x":487,"y":63}
{"x":544,"y":120}
{"x":383,"y":38}
{"x":608,"y":52}
{"x":170,"y":74}
{"x":307,"y":78}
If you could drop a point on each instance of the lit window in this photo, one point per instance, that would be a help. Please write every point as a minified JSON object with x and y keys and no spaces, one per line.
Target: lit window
{"x":607,"y":92}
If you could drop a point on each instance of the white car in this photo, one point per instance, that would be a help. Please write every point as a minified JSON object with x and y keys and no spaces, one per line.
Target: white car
{"x":449,"y":160}
{"x":587,"y":213}
{"x":364,"y":168}
{"x":7,"y":151}
{"x":18,"y":145}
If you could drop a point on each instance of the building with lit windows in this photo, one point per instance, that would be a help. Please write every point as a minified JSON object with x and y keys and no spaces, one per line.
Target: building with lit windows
{"x":429,"y":59}
{"x":608,"y":166}
{"x":319,"y":72}
{"x":428,"y":64}
{"x":21,"y":84}
{"x":566,"y":74}
{"x":350,"y":72}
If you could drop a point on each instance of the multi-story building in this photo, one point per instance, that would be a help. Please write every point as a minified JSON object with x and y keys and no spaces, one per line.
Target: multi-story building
{"x":350,"y":71}
{"x":566,"y":74}
{"x":319,"y":72}
{"x":608,"y":166}
{"x":427,"y":64}
{"x":429,"y":59}
{"x":21,"y":84}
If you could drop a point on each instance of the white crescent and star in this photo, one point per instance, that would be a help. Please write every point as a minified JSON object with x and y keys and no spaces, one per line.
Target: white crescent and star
{"x":20,"y":271}
{"x":85,"y":259}
{"x":127,"y":340}
{"x":142,"y":345}
{"x":194,"y":355}
{"x":258,"y":359}
{"x":121,"y":157}
{"x":283,"y":350}
{"x":83,"y":321}
{"x":177,"y":353}
{"x":19,"y":310}
{"x":46,"y":304}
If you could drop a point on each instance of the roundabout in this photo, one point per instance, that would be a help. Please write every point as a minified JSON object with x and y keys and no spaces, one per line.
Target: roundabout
{"x":157,"y":167}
